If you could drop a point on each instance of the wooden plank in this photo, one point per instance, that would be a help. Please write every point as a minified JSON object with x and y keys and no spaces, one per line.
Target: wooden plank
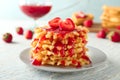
{"x":97,"y":27}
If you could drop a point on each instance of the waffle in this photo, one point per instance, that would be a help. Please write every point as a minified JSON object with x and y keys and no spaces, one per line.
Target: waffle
{"x":78,"y":19}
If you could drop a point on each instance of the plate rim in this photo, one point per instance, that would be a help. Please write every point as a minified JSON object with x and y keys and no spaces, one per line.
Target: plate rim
{"x":65,"y":69}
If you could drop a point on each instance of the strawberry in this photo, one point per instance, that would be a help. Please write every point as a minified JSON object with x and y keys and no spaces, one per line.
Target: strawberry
{"x":118,"y":27}
{"x":54,"y":23}
{"x":19,"y":30}
{"x":80,"y":15}
{"x":88,"y":23}
{"x":28,"y":34}
{"x":74,"y":62}
{"x":67,"y":25}
{"x":36,"y":62}
{"x":101,"y":34}
{"x":114,"y":36}
{"x":7,"y":37}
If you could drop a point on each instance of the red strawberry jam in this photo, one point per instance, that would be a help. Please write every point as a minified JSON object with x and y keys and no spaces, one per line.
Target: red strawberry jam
{"x":36,"y":50}
{"x":42,"y":38}
{"x":63,"y":62}
{"x":86,"y":58}
{"x":78,"y":65}
{"x":55,"y":51}
{"x":74,"y":62}
{"x":62,"y":52}
{"x":71,"y":52}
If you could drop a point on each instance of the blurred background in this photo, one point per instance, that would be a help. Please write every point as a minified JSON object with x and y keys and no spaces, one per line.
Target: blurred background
{"x":63,"y":8}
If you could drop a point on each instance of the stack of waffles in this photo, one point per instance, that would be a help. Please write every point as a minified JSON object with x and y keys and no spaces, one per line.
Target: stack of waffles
{"x":110,"y":16}
{"x":60,"y":46}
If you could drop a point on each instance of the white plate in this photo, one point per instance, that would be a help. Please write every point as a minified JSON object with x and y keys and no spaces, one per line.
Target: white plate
{"x":97,"y":57}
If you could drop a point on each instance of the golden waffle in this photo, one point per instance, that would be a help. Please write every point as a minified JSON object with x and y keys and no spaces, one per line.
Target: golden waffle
{"x":79,"y":20}
{"x":110,"y":16}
